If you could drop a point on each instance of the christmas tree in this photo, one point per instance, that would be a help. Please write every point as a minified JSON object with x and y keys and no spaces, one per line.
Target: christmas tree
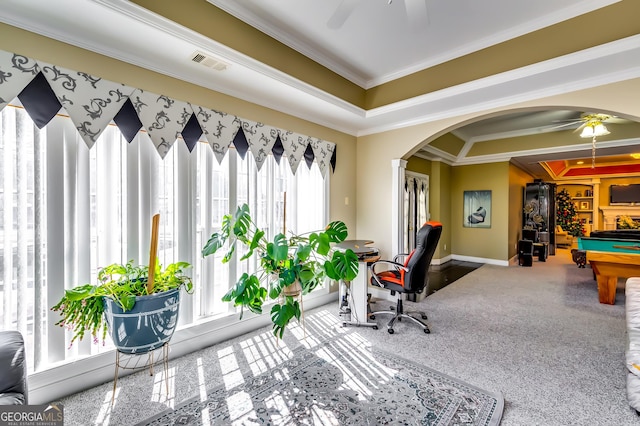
{"x":566,"y":215}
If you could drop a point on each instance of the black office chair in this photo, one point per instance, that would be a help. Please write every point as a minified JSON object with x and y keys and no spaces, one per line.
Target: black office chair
{"x":411,"y":277}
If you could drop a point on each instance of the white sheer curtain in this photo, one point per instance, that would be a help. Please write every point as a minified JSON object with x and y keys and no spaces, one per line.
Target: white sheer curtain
{"x":67,"y":210}
{"x":416,"y":207}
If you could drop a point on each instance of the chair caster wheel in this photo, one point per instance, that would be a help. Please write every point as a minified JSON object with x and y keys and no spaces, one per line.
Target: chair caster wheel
{"x":424,"y":317}
{"x":372,"y":317}
{"x":427,"y":331}
{"x":390,"y":331}
{"x":375,"y":327}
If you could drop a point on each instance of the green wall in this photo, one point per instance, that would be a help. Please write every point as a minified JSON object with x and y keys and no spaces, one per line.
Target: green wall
{"x":419,"y":165}
{"x":446,"y":187}
{"x":440,"y":205}
{"x":484,"y":243}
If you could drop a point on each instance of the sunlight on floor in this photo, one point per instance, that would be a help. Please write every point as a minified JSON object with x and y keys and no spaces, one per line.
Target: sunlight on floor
{"x":240,"y":407}
{"x":262,"y":354}
{"x":164,"y":388}
{"x":231,"y":373}
{"x":320,"y":326}
{"x":104,"y":415}
{"x":249,"y":364}
{"x":206,"y":420}
{"x":323,"y":417}
{"x":276,"y":404}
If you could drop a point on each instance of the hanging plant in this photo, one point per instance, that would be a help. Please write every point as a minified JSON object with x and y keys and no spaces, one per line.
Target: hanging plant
{"x":305,"y":260}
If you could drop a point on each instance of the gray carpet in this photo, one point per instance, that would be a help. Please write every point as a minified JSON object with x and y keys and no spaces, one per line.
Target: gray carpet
{"x":536,"y":335}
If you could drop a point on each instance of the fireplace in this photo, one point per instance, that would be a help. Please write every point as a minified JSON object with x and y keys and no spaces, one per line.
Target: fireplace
{"x":611,"y":214}
{"x":635,"y":219}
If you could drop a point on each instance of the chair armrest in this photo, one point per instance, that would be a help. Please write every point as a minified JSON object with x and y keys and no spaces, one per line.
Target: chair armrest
{"x":396,"y":265}
{"x":13,"y":367}
{"x":399,"y":256}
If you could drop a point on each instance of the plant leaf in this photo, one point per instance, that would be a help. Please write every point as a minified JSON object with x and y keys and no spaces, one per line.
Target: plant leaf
{"x":302,"y":252}
{"x":255,"y":243}
{"x":343,"y":265}
{"x":79,"y":293}
{"x":127,"y":301}
{"x":247,"y":292}
{"x":324,"y":244}
{"x":275,"y":287}
{"x":278,"y":250}
{"x":282,"y":314}
{"x":288,"y":276}
{"x":243,"y":221}
{"x":227,"y":257}
{"x":336,"y":231}
{"x":216,"y":241}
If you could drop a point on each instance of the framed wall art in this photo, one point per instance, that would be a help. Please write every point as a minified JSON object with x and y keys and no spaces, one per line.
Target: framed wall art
{"x":477,"y":209}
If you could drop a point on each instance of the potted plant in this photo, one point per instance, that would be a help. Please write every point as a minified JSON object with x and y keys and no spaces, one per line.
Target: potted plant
{"x":122,"y":293}
{"x":138,"y":304}
{"x":289,"y":265}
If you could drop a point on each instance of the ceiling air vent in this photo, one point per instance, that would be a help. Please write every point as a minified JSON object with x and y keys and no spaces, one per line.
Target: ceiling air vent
{"x":209,"y":61}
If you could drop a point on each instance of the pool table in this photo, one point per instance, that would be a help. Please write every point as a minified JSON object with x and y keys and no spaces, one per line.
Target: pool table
{"x":611,"y":259}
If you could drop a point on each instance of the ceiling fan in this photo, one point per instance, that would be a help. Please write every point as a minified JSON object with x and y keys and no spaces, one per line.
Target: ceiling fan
{"x":416,"y":12}
{"x":586,"y":119}
{"x":591,"y":125}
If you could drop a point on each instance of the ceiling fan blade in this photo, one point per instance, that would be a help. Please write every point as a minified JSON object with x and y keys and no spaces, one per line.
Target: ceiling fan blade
{"x":342,"y":13}
{"x":560,"y":126}
{"x":416,"y":13}
{"x":579,"y":128}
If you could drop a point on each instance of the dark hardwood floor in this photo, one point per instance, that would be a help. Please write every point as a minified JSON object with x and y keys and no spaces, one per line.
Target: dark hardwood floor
{"x":442,"y":275}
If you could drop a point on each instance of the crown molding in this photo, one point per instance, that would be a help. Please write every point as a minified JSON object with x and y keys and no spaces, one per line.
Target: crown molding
{"x":432,"y":153}
{"x":507,"y":156}
{"x":609,"y":63}
{"x":241,"y":12}
{"x":605,"y":64}
{"x":218,"y":49}
{"x":238,"y":10}
{"x":597,"y":53}
{"x":558,"y":16}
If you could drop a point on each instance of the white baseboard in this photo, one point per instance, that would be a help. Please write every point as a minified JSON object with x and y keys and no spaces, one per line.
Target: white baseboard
{"x":481,"y":260}
{"x":442,"y":260}
{"x":450,"y":257}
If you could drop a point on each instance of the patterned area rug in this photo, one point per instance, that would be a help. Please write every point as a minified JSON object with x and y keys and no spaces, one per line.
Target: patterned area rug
{"x":329,"y":385}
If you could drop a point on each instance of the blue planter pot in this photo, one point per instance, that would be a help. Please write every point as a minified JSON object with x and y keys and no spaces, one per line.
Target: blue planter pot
{"x":146,"y":327}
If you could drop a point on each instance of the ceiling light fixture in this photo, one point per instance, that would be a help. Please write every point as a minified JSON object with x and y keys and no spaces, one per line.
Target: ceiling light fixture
{"x":593,"y":128}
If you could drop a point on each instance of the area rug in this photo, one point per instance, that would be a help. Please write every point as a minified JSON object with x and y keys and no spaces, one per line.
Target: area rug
{"x":337,"y":384}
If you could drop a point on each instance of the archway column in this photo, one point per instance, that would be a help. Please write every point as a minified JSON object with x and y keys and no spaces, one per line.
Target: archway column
{"x":397,"y":204}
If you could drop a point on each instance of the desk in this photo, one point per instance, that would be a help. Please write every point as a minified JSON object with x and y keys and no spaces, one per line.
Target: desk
{"x":611,"y":259}
{"x":355,"y":292}
{"x":359,"y":247}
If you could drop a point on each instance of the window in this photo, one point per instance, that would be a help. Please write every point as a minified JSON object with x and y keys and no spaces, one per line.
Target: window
{"x":66,"y":210}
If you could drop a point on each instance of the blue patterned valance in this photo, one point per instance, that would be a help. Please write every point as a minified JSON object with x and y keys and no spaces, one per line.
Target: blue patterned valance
{"x":92,"y":103}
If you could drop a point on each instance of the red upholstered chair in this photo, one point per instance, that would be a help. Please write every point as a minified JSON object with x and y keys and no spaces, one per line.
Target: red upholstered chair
{"x":409,"y":278}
